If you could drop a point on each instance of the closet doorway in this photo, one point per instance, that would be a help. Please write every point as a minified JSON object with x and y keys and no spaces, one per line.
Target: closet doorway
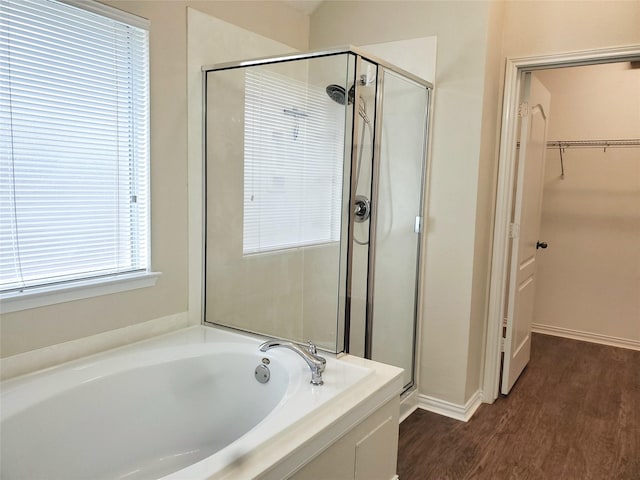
{"x":588,"y":279}
{"x":589,"y":276}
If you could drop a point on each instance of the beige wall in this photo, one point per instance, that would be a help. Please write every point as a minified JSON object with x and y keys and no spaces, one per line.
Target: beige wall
{"x":461,"y":28}
{"x":35,"y":328}
{"x":537,"y":28}
{"x":589,"y":277}
{"x":486,"y":197}
{"x":593,"y":102}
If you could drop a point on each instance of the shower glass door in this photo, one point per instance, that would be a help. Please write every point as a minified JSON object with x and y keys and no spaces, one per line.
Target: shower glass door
{"x":396,"y":230}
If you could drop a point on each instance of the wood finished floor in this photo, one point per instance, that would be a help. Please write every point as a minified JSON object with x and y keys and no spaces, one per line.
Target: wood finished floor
{"x":574,"y":414}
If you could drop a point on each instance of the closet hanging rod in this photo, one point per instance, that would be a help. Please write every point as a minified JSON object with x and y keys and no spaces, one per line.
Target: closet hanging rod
{"x":632,"y":142}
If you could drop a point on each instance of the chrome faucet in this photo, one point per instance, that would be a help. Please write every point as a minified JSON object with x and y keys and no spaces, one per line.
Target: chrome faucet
{"x":308,"y":352}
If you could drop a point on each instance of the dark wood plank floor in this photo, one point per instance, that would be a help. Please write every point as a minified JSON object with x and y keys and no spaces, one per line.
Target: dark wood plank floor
{"x":574,"y":414}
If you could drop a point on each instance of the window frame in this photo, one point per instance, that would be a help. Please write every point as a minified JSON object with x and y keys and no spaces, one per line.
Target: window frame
{"x":87,"y":287}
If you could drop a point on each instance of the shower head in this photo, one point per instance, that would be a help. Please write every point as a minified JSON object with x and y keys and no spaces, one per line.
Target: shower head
{"x":339,"y":95}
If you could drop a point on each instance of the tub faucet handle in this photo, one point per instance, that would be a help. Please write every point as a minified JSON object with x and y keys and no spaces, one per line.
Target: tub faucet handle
{"x":312,"y":347}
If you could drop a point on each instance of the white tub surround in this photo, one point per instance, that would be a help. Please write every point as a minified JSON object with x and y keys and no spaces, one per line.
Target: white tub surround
{"x":187,"y":405}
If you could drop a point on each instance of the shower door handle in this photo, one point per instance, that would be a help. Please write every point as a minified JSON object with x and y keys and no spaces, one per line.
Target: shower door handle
{"x":417,"y":226}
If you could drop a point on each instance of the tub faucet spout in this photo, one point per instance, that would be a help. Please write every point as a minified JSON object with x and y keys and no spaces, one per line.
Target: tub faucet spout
{"x":307,"y":352}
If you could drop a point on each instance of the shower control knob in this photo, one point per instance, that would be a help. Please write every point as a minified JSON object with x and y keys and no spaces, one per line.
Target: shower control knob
{"x":541,"y":245}
{"x":361,"y":208}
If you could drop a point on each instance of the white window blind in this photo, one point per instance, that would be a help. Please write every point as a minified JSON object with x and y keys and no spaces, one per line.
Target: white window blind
{"x":74,"y":134}
{"x":293,"y":157}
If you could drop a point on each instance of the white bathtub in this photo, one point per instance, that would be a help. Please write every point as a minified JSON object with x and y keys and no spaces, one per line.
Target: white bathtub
{"x":182,"y":406}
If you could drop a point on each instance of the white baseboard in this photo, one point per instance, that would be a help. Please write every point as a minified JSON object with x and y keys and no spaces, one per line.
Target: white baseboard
{"x":450,"y":409}
{"x":586,"y":336}
{"x":45,"y":357}
{"x":408,"y":404}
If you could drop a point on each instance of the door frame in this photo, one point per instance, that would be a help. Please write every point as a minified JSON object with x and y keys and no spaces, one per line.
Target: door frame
{"x":498,"y":286}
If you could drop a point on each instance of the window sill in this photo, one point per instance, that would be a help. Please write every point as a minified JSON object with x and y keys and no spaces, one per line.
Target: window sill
{"x":41,"y":297}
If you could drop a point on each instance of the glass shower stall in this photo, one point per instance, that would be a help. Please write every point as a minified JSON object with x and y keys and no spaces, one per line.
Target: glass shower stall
{"x":314,"y":183}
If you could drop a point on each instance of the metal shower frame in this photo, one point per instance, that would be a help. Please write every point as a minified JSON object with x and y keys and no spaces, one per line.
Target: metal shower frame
{"x":359,"y":55}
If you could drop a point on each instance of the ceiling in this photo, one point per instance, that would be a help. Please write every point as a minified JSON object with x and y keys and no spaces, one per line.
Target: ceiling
{"x":305,"y":6}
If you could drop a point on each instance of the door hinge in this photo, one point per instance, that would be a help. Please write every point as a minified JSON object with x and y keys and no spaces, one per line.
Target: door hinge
{"x":501,"y":344}
{"x":514,"y":230}
{"x":523,"y":109}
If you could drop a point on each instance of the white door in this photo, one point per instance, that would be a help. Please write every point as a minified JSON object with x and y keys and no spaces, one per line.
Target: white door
{"x":525,"y":229}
